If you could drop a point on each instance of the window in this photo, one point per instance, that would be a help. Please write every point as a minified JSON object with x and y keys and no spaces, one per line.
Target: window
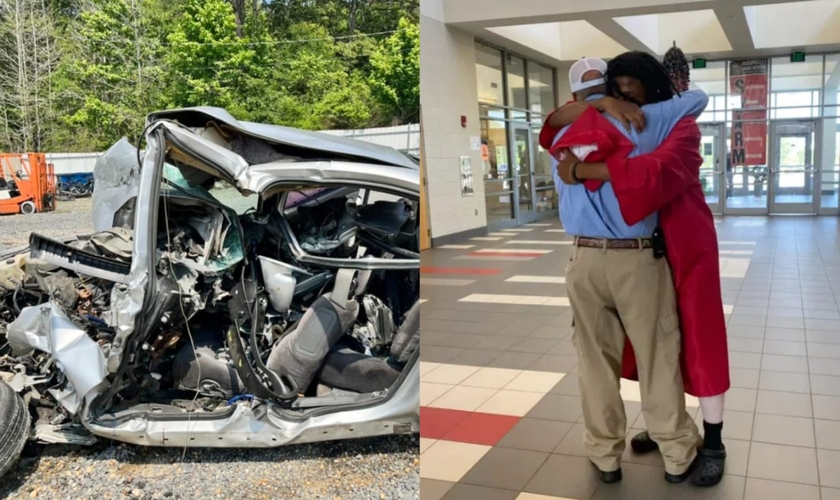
{"x":488,"y":71}
{"x":513,"y":100}
{"x":803,"y":104}
{"x":494,"y":153}
{"x":516,"y":82}
{"x":540,"y":88}
{"x":486,"y":111}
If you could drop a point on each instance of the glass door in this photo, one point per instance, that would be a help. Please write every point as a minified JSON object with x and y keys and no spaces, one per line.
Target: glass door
{"x":522,"y":161}
{"x":547,"y":198}
{"x":712,"y":171}
{"x":498,"y":176}
{"x":792,"y":172}
{"x":828,"y":176}
{"x":746,"y":181}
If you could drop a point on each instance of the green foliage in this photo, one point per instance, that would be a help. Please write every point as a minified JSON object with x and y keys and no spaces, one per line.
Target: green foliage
{"x":301,"y":63}
{"x":330,"y":93}
{"x":395,"y":79}
{"x":344,"y":17}
{"x":209,"y":64}
{"x":109,"y":79}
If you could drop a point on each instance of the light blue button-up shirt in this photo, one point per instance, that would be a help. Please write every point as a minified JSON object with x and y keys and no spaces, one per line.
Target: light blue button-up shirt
{"x":597,"y":214}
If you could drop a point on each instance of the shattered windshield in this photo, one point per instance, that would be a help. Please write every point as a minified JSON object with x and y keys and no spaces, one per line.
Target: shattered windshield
{"x":221,"y":192}
{"x":193,"y":235}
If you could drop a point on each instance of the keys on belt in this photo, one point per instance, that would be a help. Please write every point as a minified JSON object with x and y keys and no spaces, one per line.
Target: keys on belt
{"x":634,"y":244}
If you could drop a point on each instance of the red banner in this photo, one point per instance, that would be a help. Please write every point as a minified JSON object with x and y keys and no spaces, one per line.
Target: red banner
{"x":749,"y":79}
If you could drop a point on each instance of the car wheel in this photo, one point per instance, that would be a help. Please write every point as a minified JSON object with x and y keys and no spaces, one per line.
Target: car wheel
{"x":14,"y":427}
{"x":27,"y":208}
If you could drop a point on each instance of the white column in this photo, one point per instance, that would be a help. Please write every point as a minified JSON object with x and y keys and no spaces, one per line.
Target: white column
{"x":448,"y":91}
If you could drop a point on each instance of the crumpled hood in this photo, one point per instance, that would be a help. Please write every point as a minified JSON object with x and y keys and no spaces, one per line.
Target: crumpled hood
{"x":314,"y":141}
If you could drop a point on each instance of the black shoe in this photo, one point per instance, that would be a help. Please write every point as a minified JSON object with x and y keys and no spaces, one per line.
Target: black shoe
{"x":642,"y":443}
{"x":681,"y":478}
{"x":609,"y":477}
{"x":710,"y":465}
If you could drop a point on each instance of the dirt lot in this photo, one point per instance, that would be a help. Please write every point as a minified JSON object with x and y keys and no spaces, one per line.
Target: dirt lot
{"x":71,"y":218}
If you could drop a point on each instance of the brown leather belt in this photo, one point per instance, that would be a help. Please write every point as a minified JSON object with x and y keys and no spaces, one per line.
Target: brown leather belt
{"x":636,"y":244}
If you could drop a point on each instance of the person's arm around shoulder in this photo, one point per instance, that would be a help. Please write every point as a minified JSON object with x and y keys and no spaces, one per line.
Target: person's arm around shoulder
{"x":665,"y":115}
{"x":689,"y":103}
{"x":627,"y":113}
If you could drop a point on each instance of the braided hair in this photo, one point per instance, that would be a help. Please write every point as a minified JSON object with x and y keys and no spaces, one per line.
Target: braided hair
{"x":676,"y":64}
{"x":650,"y":72}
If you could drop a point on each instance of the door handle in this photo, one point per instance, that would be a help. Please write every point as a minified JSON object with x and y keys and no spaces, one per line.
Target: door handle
{"x":717,"y":172}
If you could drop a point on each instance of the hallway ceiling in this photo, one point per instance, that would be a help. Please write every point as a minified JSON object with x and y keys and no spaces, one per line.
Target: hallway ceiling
{"x":564,"y":30}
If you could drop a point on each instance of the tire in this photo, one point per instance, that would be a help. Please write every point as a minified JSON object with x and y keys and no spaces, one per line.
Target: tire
{"x":14,"y":427}
{"x":27,"y":208}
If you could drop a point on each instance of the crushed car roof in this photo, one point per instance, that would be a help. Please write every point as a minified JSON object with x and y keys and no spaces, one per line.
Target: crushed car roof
{"x":314,"y":141}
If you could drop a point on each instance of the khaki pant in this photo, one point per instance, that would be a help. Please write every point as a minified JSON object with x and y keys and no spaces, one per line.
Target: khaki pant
{"x":618,"y":292}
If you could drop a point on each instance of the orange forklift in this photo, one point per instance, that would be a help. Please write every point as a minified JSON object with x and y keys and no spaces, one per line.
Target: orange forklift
{"x":27,"y":184}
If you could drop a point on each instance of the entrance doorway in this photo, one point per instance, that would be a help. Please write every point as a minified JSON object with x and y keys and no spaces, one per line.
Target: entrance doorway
{"x":793,"y":176}
{"x":510,"y":181}
{"x":714,"y":172}
{"x":788,"y":184}
{"x":522,"y":160}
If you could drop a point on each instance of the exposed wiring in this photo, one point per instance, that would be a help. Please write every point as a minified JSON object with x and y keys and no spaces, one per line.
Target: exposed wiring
{"x":186,"y":323}
{"x":240,"y":397}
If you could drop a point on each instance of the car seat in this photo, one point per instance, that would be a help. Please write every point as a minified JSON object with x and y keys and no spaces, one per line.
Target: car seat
{"x":345,"y":368}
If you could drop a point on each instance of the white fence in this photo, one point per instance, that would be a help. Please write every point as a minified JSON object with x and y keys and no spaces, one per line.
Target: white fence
{"x":73,"y":163}
{"x":405,"y":138}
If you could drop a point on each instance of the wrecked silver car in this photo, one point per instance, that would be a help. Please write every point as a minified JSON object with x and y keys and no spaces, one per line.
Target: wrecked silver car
{"x":245,"y":285}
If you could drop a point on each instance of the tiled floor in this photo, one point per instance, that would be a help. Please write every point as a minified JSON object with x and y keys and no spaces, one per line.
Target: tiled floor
{"x":501,"y":417}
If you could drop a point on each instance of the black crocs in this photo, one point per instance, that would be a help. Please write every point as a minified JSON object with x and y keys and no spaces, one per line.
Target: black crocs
{"x":709,"y":468}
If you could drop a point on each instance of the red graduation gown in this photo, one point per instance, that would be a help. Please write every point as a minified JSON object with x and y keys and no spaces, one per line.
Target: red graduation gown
{"x":668,"y":180}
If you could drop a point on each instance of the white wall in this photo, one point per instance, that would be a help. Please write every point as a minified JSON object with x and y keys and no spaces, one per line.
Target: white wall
{"x":73,"y":163}
{"x":404,"y":138}
{"x":448,"y":90}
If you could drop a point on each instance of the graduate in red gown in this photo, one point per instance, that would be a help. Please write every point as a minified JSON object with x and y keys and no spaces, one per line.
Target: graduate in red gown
{"x":668,"y":181}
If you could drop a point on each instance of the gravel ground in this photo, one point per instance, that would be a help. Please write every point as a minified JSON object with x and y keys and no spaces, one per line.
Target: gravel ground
{"x":70,"y":218}
{"x":73,"y":218}
{"x":377,"y":469}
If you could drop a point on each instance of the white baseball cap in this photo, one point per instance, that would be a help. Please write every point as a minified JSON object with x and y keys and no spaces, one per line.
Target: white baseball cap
{"x":580,"y":68}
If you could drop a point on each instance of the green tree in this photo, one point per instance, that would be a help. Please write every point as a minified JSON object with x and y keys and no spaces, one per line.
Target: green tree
{"x":395,"y":73}
{"x":111,"y":75}
{"x":210,"y":64}
{"x":76,"y":75}
{"x":343,"y":17}
{"x":327,"y":93}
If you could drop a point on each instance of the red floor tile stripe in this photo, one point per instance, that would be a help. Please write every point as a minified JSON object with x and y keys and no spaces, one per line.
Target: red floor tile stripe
{"x":482,"y":428}
{"x":477,"y":271}
{"x":502,"y":253}
{"x":436,"y":423}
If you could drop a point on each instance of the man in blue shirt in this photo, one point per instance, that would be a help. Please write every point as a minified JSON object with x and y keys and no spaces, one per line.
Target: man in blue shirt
{"x":618,"y":287}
